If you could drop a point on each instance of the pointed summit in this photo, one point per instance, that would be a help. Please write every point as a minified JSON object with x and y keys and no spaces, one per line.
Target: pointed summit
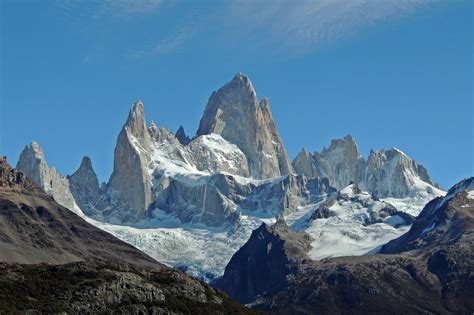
{"x":341,"y":162}
{"x":136,"y":123}
{"x":181,"y":136}
{"x":130,"y":177}
{"x":84,"y":186}
{"x":33,"y":164}
{"x":242,"y":82}
{"x":235,"y":113}
{"x":86,"y":163}
{"x":347,"y":144}
{"x":304,"y":164}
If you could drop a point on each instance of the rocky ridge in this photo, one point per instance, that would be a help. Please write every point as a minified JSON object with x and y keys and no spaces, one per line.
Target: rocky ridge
{"x":389,"y":173}
{"x":52,"y":261}
{"x":164,"y":181}
{"x":428,"y":270}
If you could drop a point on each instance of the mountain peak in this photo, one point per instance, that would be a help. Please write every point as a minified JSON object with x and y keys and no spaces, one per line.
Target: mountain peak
{"x":241,"y":82}
{"x":86,"y":163}
{"x":136,"y":113}
{"x":136,"y":123}
{"x":240,"y":78}
{"x":235,"y":113}
{"x":442,"y":221}
{"x":35,"y":149}
{"x":348,"y":142}
{"x":137,"y":106}
{"x":84,"y":185}
{"x":261,"y":265}
{"x":181,"y":136}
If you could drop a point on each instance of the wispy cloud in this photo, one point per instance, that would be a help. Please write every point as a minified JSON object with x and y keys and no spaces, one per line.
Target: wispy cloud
{"x":287,"y":27}
{"x":167,"y":45}
{"x":305,"y":25}
{"x":172,"y":44}
{"x":110,"y":8}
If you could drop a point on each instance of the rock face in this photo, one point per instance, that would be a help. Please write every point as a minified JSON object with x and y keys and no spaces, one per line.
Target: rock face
{"x":32,"y":162}
{"x":304,"y":164}
{"x":84,"y":186}
{"x":235,"y":113}
{"x":341,"y":162}
{"x":36,"y":229}
{"x":443,"y":221}
{"x":393,"y":173}
{"x":265,"y":261}
{"x":181,"y":136}
{"x":131,"y":178}
{"x":204,"y":181}
{"x":87,"y":270}
{"x":386,"y":173}
{"x":430,"y":271}
{"x":215,"y":199}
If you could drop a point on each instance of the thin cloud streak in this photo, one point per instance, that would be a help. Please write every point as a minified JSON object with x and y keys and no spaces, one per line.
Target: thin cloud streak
{"x":284,"y":27}
{"x":303,"y":26}
{"x":109,"y":8}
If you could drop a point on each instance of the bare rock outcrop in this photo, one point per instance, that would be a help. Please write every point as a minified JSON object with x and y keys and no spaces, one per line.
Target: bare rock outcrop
{"x":235,"y":113}
{"x":32,"y":162}
{"x":181,"y":136}
{"x":52,"y":261}
{"x":84,"y":186}
{"x":427,"y":270}
{"x":263,"y":264}
{"x":389,"y":173}
{"x":131,"y":178}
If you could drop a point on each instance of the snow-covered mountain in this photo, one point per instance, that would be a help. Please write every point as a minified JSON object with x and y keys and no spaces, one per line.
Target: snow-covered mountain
{"x":194,"y":201}
{"x":428,"y":269}
{"x":389,"y":173}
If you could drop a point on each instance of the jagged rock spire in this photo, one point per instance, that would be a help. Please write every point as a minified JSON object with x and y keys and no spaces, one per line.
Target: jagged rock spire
{"x":385,"y":173}
{"x":32,"y":162}
{"x":304,"y":164}
{"x":84,"y":186}
{"x":130,"y":177}
{"x":181,"y":136}
{"x":235,"y":113}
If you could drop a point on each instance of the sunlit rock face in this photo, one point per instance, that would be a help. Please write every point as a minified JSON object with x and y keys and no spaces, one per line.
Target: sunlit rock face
{"x":235,"y":113}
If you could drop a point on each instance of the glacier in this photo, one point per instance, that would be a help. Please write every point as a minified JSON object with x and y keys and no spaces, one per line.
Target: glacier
{"x":191,"y":203}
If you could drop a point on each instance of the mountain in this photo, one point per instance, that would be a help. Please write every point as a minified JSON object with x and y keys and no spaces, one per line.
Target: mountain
{"x":444,"y":220}
{"x":130,"y":179}
{"x":181,"y":136}
{"x":389,"y":173}
{"x":205,"y":181}
{"x":52,"y":261}
{"x":428,"y":270}
{"x":168,"y":191}
{"x":33,"y":163}
{"x":35,"y":229}
{"x":84,"y":186}
{"x":264,"y":262}
{"x":235,"y":113}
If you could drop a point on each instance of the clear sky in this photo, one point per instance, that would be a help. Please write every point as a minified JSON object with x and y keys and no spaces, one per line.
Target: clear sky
{"x":391,"y":73}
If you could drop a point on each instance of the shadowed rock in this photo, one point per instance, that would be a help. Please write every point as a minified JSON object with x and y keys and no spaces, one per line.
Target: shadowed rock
{"x":52,"y":262}
{"x":430,"y":270}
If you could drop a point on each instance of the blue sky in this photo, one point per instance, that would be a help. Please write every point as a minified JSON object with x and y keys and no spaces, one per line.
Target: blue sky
{"x":391,"y":73}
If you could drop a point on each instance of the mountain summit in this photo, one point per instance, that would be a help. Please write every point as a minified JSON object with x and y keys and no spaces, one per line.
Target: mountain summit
{"x":130,"y":177}
{"x":389,"y":173}
{"x":235,"y":113}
